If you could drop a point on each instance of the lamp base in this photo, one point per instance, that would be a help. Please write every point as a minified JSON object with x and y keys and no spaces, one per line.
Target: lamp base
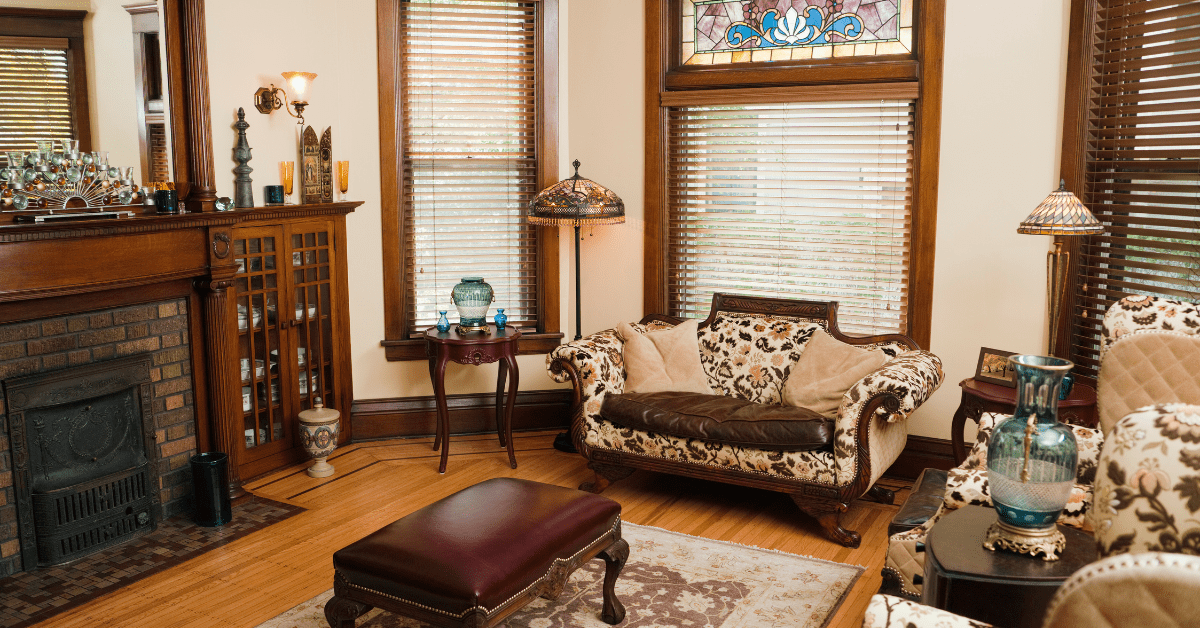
{"x":471,"y":329}
{"x":1047,"y":541}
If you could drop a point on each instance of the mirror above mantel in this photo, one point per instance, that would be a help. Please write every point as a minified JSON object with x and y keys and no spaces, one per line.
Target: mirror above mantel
{"x":128,"y":77}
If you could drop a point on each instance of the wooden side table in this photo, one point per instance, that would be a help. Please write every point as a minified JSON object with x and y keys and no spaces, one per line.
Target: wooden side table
{"x":1000,"y":588}
{"x":499,"y":345}
{"x":1079,"y":408}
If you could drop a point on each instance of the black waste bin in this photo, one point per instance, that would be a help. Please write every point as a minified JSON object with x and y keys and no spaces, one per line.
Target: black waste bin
{"x":210,"y":475}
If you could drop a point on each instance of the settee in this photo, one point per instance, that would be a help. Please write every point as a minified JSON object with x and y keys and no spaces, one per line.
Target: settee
{"x":748,"y":346}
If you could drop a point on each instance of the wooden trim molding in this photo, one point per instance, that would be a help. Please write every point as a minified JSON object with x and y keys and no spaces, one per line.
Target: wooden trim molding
{"x":373,"y":419}
{"x":669,"y":84}
{"x":396,"y":343}
{"x":920,"y":453}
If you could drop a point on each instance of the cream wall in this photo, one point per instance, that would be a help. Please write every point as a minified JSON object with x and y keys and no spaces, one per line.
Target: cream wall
{"x":1002,"y":106}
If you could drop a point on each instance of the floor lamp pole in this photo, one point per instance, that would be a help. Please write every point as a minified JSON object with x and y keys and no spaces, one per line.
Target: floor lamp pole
{"x":578,"y":311}
{"x":1057,"y":262}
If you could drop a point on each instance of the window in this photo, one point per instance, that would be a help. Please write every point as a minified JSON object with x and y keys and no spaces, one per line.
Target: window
{"x":796,"y":157}
{"x":43,"y":87}
{"x":1132,"y":151}
{"x":469,"y":97}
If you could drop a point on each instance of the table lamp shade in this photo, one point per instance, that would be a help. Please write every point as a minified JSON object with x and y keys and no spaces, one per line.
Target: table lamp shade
{"x":576,"y":202}
{"x":1061,"y":214}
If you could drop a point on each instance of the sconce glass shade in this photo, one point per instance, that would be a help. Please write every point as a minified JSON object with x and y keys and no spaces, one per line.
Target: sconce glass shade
{"x":576,"y":202}
{"x":298,"y":83}
{"x":1061,"y":214}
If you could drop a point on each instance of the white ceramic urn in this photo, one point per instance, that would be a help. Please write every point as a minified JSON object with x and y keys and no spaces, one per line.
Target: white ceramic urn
{"x":319,"y":427}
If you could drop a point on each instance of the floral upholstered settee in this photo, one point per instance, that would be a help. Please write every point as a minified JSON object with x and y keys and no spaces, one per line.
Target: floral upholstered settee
{"x":747,"y":348}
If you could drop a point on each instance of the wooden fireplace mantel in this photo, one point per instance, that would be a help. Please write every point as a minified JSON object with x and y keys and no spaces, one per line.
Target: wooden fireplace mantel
{"x":52,"y":269}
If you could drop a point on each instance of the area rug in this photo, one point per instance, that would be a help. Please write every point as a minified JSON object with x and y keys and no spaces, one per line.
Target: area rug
{"x":671,"y":579}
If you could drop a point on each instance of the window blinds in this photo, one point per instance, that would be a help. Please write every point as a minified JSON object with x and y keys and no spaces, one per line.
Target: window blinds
{"x":806,"y":200}
{"x":1142,"y":162}
{"x":35,"y":92}
{"x":470,"y":159}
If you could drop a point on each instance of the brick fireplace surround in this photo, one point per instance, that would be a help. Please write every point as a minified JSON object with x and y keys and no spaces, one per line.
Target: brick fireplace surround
{"x":159,"y":329}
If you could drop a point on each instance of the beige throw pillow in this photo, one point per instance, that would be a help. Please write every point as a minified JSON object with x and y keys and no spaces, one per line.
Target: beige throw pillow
{"x":663,"y":361}
{"x":826,"y":369}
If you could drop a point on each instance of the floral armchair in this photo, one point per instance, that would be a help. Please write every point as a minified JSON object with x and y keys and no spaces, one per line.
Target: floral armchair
{"x":1149,"y":351}
{"x":747,"y":348}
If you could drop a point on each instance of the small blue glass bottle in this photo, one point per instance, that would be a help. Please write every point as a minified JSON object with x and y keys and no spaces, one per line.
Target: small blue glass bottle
{"x":501,"y":318}
{"x":443,"y":325}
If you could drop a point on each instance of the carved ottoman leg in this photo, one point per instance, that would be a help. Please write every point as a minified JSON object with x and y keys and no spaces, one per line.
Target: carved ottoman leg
{"x":341,"y":613}
{"x":881,"y":495}
{"x":606,"y":474}
{"x":614,"y":557}
{"x":828,"y":514}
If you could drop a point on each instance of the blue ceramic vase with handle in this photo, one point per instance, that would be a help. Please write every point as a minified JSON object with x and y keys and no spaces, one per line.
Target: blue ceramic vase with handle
{"x":472,"y":297}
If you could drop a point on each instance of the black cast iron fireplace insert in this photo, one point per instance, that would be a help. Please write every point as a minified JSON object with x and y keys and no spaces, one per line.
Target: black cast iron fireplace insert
{"x":84,"y":457}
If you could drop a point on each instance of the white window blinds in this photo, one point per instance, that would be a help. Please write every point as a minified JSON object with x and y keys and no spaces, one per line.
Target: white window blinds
{"x":470,"y":158}
{"x":35,"y":92}
{"x":804,"y":200}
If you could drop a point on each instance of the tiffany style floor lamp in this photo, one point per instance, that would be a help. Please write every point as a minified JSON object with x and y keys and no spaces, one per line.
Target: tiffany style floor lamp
{"x":576,"y":202}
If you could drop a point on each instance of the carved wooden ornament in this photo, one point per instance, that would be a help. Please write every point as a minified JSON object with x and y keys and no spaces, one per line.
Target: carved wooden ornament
{"x":327,"y":165}
{"x":310,"y":167}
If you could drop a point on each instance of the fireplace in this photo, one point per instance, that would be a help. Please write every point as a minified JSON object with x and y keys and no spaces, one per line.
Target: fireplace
{"x":84,"y":456}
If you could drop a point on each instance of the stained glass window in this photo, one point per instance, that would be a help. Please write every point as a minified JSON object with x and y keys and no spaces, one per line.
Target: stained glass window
{"x":742,"y":31}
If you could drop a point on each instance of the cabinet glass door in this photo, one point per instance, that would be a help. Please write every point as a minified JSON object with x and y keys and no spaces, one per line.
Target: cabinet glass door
{"x":312,"y":252}
{"x":258,"y":307}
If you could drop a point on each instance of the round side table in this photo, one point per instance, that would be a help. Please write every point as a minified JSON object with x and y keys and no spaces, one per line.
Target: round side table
{"x":498,"y":345}
{"x":1079,"y":408}
{"x":1000,"y":588}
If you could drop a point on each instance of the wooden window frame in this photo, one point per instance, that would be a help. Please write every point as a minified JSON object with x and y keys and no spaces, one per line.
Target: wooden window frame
{"x":397,"y":346}
{"x":1073,"y":164}
{"x":665,"y":73}
{"x":65,"y":24}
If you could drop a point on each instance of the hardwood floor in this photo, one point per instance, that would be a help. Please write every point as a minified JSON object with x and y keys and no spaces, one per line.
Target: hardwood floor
{"x":257,"y":577}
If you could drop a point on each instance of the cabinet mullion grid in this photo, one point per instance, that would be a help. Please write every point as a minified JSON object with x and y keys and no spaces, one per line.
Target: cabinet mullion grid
{"x":257,"y":289}
{"x":311,"y":278}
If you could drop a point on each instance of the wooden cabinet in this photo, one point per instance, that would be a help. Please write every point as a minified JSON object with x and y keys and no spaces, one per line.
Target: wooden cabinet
{"x":292,"y":332}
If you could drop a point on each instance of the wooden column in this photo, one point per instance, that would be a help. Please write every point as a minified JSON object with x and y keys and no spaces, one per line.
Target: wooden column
{"x":220,"y":336}
{"x":193,"y":65}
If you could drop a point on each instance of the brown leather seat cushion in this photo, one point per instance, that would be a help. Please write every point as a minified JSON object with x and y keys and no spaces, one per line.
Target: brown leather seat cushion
{"x":720,"y":419}
{"x":479,"y":546}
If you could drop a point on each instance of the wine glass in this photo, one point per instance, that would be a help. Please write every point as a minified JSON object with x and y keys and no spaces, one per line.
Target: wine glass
{"x":289,"y":169}
{"x":343,"y":171}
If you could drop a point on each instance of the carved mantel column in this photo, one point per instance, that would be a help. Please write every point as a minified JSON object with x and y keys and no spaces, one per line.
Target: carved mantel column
{"x":220,"y":333}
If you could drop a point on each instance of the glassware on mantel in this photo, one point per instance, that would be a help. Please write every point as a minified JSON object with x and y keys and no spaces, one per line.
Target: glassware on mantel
{"x":343,"y":172}
{"x":289,"y":168}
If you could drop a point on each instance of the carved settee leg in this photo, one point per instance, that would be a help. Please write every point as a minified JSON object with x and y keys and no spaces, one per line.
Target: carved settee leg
{"x":606,"y":474}
{"x":614,"y":557}
{"x":341,"y":613}
{"x":881,"y":495}
{"x":829,"y":515}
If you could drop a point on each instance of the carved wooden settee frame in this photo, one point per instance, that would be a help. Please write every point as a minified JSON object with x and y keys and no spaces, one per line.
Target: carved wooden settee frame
{"x":880,"y":405}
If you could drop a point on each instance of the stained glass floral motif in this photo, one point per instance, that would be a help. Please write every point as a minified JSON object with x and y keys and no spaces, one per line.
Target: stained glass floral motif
{"x":740,"y":31}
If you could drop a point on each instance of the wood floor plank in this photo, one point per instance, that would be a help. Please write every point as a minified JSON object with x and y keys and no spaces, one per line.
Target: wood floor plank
{"x":252,"y":579}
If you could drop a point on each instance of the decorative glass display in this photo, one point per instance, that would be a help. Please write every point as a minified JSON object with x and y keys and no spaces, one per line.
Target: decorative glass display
{"x":501,"y":318}
{"x":742,"y":31}
{"x":67,"y":179}
{"x":1031,"y":463}
{"x":472,"y":297}
{"x":443,"y":324}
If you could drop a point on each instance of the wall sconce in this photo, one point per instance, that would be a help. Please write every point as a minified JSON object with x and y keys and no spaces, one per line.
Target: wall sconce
{"x":268,"y":99}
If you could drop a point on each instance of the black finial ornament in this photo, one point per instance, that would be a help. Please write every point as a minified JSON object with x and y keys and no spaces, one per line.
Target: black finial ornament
{"x":243,"y":193}
{"x":576,"y":164}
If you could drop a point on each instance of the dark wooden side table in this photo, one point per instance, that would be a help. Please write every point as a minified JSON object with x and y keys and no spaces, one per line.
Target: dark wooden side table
{"x":1001,"y":588}
{"x":1079,"y":408}
{"x":499,"y":345}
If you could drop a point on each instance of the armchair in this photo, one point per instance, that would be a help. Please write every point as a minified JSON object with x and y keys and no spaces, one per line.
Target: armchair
{"x":747,"y":348}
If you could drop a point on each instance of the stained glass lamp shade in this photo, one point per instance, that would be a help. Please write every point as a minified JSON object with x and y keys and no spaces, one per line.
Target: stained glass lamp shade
{"x":1061,"y":214}
{"x":575,"y":202}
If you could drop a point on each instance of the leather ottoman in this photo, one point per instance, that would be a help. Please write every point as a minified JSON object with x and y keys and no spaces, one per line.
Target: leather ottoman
{"x":480,"y":554}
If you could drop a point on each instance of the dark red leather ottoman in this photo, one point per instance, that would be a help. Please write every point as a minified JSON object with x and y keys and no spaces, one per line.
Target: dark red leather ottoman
{"x":480,"y":554}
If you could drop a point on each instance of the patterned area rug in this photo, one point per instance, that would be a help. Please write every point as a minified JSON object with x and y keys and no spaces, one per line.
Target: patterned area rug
{"x":670,"y":580}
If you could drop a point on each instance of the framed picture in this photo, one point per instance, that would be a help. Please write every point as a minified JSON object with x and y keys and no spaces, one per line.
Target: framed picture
{"x":994,"y":368}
